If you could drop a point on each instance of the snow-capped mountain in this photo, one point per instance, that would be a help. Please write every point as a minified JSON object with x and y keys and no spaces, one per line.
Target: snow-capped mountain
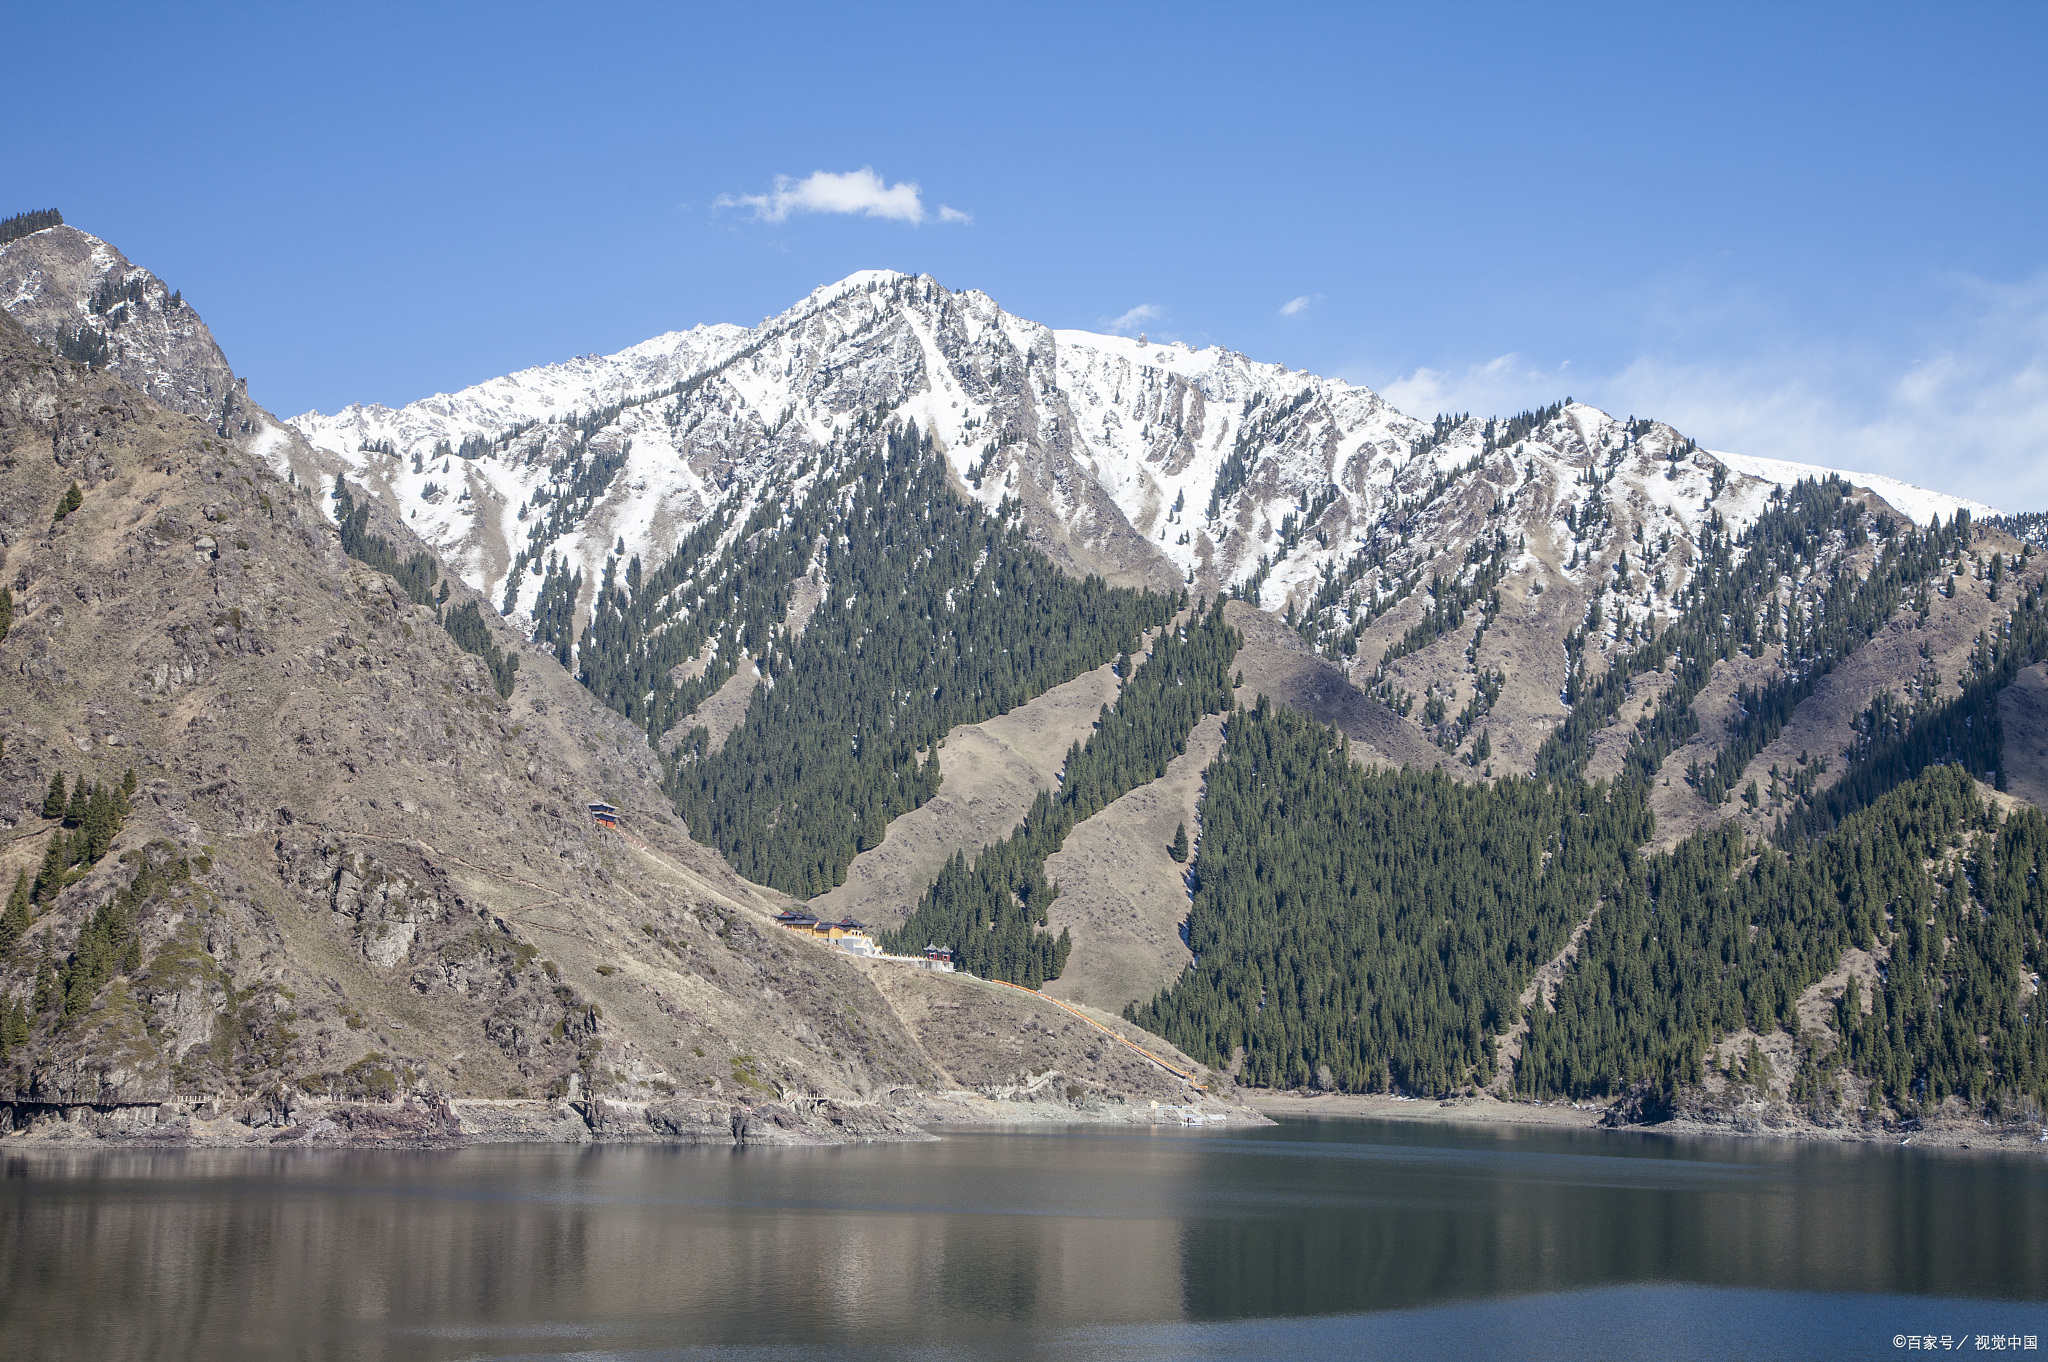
{"x":1153,"y":461}
{"x":1917,"y":503}
{"x":1115,"y":445}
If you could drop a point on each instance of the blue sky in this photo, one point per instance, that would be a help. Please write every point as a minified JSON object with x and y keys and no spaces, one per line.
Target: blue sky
{"x":1809,"y":232}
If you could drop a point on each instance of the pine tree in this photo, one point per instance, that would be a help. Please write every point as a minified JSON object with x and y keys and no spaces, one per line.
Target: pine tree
{"x":6,"y":612}
{"x":53,"y":802}
{"x":50,"y":878}
{"x":49,"y":991}
{"x":73,"y":499}
{"x":101,"y":821}
{"x":14,"y":921}
{"x":1179,"y":849}
{"x":15,"y":1026}
{"x":21,"y":224}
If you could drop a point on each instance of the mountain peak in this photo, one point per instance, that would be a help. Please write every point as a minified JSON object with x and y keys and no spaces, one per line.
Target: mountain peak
{"x":75,"y":294}
{"x":1149,"y":461}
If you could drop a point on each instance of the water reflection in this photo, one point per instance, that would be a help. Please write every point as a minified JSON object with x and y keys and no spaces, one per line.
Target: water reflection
{"x":1519,"y":1212}
{"x":984,"y":1242}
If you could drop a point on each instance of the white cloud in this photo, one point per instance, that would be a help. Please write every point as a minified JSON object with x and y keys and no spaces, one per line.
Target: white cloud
{"x":860,"y":192}
{"x":1497,"y":387}
{"x":1968,"y":415}
{"x":1294,"y":307}
{"x":1132,"y":320}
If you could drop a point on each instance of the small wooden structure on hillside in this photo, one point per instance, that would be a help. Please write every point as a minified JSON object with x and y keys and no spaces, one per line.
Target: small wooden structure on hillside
{"x":844,"y":935}
{"x":853,"y":938}
{"x":604,"y":815}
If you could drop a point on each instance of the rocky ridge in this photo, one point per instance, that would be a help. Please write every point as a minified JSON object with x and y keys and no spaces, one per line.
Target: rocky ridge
{"x":1312,"y":498}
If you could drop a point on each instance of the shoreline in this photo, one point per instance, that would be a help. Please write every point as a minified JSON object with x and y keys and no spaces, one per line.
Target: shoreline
{"x":1375,"y":1106}
{"x":1753,"y":1122}
{"x":431,"y":1121}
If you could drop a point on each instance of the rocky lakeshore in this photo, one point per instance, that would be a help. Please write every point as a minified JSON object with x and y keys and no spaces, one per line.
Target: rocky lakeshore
{"x":1951,"y":1127}
{"x":432,"y":1121}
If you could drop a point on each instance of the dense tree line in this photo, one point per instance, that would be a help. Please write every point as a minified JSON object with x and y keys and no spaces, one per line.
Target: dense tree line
{"x":1731,"y":604}
{"x":416,"y":575}
{"x":1377,"y":924}
{"x":1722,"y":935}
{"x":90,"y":817}
{"x":21,"y":224}
{"x":554,"y":612}
{"x":86,"y":345}
{"x":1894,"y":742}
{"x":2029,"y":527}
{"x":1348,"y":933}
{"x":726,"y":588}
{"x":935,"y":613}
{"x":465,"y":625}
{"x":990,"y":911}
{"x":1955,"y":1015}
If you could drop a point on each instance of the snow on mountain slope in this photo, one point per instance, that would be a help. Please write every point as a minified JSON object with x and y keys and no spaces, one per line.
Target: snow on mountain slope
{"x":547,"y":393}
{"x":1158,"y":463}
{"x":73,"y":292}
{"x":1918,"y":502}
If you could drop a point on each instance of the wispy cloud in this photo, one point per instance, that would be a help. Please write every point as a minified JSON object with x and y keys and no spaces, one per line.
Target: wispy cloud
{"x":861,"y":192}
{"x":1967,"y":415}
{"x":1496,"y":387}
{"x":1294,"y":307}
{"x":1141,"y":315}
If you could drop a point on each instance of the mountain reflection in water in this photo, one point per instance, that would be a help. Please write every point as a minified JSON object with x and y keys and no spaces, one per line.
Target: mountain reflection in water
{"x":1316,"y":1237}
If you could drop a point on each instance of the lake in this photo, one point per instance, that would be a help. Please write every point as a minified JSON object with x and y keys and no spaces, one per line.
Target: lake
{"x":1311,"y":1239}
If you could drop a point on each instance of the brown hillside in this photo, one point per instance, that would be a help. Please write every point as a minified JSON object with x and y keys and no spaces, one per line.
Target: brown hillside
{"x":369,"y":875}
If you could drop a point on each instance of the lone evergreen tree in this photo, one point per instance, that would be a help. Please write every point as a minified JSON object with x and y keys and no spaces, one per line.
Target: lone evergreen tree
{"x":50,"y":877}
{"x":1179,"y":849}
{"x":14,"y":922}
{"x":14,"y":1027}
{"x":49,"y":991}
{"x":53,"y":802}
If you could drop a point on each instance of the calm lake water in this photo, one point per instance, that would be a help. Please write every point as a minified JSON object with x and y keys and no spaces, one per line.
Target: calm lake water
{"x":1314,"y":1239}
